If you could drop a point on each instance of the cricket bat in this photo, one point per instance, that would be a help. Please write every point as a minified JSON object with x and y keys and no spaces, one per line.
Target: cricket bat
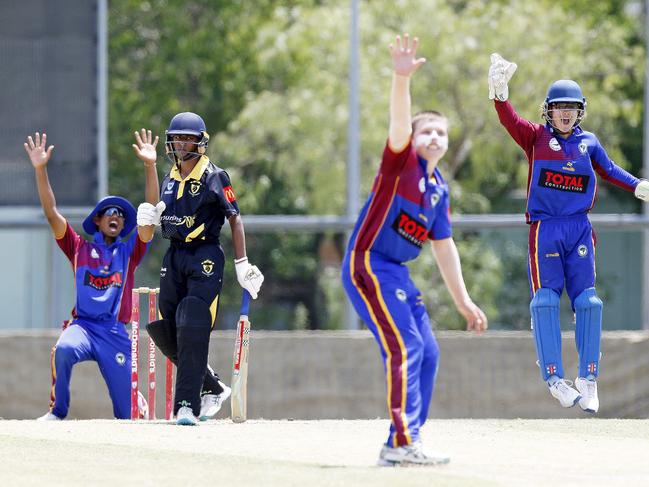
{"x":238,"y":401}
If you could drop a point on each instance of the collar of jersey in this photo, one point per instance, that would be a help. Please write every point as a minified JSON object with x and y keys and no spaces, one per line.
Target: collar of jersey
{"x":575,"y":131}
{"x":436,"y":175}
{"x":196,"y":173}
{"x":98,"y":238}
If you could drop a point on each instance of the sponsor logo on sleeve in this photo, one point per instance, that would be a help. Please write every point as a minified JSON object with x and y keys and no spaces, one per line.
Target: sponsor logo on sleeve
{"x":572,"y":183}
{"x":410,"y":229}
{"x":229,"y":194}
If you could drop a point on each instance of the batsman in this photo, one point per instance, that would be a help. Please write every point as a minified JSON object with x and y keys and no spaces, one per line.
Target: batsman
{"x":564,"y":161}
{"x":196,"y":199}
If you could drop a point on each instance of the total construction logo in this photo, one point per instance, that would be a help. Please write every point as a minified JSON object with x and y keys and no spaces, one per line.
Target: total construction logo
{"x":410,"y":229}
{"x":572,"y":183}
{"x":103,"y":282}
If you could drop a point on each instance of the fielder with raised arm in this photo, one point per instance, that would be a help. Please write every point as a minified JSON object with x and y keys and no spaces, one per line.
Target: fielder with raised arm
{"x":103,"y":273}
{"x":407,"y":207}
{"x":564,"y":161}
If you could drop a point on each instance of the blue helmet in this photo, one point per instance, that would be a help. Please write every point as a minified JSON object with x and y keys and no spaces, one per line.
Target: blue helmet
{"x":186,"y":123}
{"x":564,"y":91}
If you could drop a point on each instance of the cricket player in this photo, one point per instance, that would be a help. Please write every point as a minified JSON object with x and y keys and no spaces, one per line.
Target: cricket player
{"x":198,"y":198}
{"x":103,"y":272}
{"x":564,"y":161}
{"x":407,"y":206}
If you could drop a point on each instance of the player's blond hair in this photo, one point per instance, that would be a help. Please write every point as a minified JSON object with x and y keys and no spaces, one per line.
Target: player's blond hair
{"x":427,"y":115}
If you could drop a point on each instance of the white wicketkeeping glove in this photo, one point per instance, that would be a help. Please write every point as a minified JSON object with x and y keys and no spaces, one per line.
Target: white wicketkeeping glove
{"x":147,"y":214}
{"x":642,"y":190}
{"x":249,"y":276}
{"x":500,"y":72}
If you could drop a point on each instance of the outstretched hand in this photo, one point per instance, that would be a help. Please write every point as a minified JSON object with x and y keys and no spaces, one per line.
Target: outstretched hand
{"x":145,"y":147}
{"x":500,"y":72}
{"x":35,"y":149}
{"x":404,"y":55}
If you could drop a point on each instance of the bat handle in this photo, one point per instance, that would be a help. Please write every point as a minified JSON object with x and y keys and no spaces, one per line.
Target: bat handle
{"x":245,"y":303}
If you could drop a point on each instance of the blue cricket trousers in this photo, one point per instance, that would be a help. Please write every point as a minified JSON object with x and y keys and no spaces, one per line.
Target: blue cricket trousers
{"x":391,"y":306}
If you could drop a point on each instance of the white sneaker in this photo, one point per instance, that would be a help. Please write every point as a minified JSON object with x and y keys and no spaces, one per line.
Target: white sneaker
{"x":566,"y":395}
{"x":185,"y":417}
{"x":409,"y":455}
{"x":589,"y":401}
{"x":49,"y":417}
{"x":212,"y":403}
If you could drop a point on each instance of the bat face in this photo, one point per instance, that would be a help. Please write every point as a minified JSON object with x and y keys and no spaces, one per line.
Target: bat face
{"x":238,"y":400}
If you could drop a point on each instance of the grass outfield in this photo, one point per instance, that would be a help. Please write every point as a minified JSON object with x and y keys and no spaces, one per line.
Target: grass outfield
{"x":586,"y":452}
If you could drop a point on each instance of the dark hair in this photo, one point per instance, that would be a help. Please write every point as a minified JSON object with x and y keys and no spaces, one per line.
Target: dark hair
{"x":425,"y":114}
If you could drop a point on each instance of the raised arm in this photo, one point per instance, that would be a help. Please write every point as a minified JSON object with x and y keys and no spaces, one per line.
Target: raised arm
{"x":39,"y":158}
{"x":404,"y":64}
{"x":148,"y":213}
{"x":448,"y":261}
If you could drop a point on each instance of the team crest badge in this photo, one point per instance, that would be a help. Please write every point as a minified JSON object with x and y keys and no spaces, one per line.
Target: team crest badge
{"x":170,"y":187}
{"x":582,"y":147}
{"x":194,"y":187}
{"x":422,"y":185}
{"x":554,"y":144}
{"x":401,"y":295}
{"x":434,"y":199}
{"x":120,"y":358}
{"x":208,"y":267}
{"x":582,"y":250}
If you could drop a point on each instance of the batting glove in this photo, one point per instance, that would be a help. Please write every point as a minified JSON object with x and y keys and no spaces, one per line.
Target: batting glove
{"x":147,"y":214}
{"x":500,"y":72}
{"x":249,"y":276}
{"x":642,"y":190}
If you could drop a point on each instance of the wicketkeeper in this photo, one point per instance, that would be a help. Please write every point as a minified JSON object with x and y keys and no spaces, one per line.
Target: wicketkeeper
{"x":198,"y":198}
{"x":564,"y":161}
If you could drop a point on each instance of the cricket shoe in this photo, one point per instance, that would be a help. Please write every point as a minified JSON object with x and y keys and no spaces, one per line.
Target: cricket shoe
{"x":185,"y":417}
{"x":589,"y":401}
{"x":212,"y":403}
{"x":48,"y":416}
{"x":565,"y":394}
{"x":409,"y":455}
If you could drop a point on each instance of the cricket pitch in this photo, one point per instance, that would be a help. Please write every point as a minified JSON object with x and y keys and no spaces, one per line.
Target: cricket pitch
{"x":568,"y":452}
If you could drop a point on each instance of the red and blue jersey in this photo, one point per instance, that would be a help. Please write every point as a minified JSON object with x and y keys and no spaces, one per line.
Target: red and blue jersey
{"x":103,"y":275}
{"x":561,"y":179}
{"x":404,"y":209}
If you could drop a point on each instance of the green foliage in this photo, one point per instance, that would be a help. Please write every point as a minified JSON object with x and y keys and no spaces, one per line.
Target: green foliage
{"x":271,"y":80}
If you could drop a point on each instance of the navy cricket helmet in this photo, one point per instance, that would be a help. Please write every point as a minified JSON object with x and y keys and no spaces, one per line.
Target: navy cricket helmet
{"x":564,"y":91}
{"x":130,"y":215}
{"x":186,"y":123}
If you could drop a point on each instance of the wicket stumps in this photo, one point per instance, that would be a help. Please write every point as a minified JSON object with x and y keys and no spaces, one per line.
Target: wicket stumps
{"x":152,"y":294}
